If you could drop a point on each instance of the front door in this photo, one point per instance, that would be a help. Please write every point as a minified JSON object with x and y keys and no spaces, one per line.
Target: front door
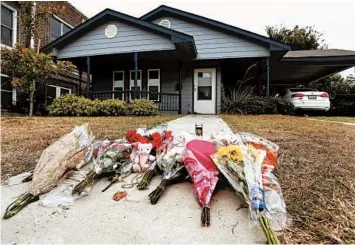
{"x":205,"y":91}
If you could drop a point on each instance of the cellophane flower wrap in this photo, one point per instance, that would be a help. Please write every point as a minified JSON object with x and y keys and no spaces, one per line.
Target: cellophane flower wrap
{"x":203,"y":173}
{"x":273,"y":195}
{"x":242,"y":165}
{"x":107,"y":156}
{"x":170,"y":163}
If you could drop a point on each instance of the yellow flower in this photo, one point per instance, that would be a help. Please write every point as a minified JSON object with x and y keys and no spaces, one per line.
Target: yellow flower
{"x":232,"y":152}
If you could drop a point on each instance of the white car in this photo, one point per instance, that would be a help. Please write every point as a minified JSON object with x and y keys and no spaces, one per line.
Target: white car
{"x":308,"y":99}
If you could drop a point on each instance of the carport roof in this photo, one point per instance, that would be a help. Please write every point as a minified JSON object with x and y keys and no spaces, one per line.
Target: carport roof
{"x":328,"y":55}
{"x":304,"y":66}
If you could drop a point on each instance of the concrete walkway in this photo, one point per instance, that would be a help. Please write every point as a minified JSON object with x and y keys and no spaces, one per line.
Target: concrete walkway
{"x":345,"y":123}
{"x":211,"y":123}
{"x":98,"y":219}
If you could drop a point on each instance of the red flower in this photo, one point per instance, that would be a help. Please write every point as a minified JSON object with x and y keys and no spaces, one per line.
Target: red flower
{"x":157,"y":142}
{"x":142,"y":139}
{"x":131,"y":136}
{"x":156,"y":135}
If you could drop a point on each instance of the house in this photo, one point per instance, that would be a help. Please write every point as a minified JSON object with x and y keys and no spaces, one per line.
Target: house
{"x":183,"y":61}
{"x":64,"y":17}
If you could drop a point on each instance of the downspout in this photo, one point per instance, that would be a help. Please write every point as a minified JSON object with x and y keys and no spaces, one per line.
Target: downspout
{"x":33,"y":14}
{"x":135,"y":75}
{"x":268,"y":77}
{"x":88,"y":79}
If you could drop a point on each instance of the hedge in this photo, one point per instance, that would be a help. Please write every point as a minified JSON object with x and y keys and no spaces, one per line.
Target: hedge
{"x":72,"y":105}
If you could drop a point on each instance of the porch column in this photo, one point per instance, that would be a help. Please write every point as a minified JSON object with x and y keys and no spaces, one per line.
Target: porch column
{"x":80,"y":80}
{"x":135,"y":75}
{"x":88,"y":79}
{"x":267,"y":77}
{"x":180,"y":88}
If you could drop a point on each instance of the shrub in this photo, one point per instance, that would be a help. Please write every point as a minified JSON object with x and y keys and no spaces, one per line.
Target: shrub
{"x":257,"y":105}
{"x":109,"y":107}
{"x":342,"y":106}
{"x":72,"y":105}
{"x":143,"y":107}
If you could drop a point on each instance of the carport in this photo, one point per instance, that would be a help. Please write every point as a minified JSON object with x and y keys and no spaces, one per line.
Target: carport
{"x":304,"y":66}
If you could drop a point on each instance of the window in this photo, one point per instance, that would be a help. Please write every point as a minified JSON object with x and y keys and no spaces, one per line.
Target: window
{"x":58,"y":27}
{"x":55,"y":92}
{"x":204,"y":86}
{"x":165,"y":23}
{"x":8,"y":92}
{"x":139,"y":80}
{"x":8,"y":25}
{"x":154,"y":83}
{"x":118,"y":84}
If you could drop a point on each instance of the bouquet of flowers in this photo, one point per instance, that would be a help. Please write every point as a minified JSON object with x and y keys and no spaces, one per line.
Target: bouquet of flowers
{"x":170,"y":163}
{"x":273,"y":194}
{"x":66,"y":153}
{"x":203,"y":173}
{"x":156,"y":137}
{"x":242,"y":166}
{"x":153,"y":137}
{"x":107,"y":158}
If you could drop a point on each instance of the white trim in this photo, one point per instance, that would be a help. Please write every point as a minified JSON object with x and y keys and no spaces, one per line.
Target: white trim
{"x":14,"y":28}
{"x":57,"y":91}
{"x":165,"y":23}
{"x":113,"y":82}
{"x":61,"y":20}
{"x":14,"y":96}
{"x":205,"y":106}
{"x":148,"y":80}
{"x":4,"y":75}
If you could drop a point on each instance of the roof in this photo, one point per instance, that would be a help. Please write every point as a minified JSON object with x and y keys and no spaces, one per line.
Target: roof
{"x":320,"y":55}
{"x":163,"y":9}
{"x":109,"y":14}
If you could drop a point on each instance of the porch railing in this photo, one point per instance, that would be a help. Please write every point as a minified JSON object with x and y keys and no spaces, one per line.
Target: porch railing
{"x":165,"y":101}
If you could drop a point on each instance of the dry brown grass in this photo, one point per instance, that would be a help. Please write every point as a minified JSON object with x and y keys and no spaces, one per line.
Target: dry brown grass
{"x":316,"y":173}
{"x":23,"y":139}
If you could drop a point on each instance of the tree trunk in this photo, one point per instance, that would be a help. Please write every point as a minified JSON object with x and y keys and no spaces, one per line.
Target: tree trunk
{"x":32,"y":92}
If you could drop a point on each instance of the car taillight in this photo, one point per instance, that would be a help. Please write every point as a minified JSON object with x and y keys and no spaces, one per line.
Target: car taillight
{"x":297,"y":95}
{"x":324,"y":95}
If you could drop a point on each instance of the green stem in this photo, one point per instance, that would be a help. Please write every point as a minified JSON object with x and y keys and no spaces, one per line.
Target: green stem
{"x":268,"y":231}
{"x":205,"y":216}
{"x":155,"y":195}
{"x":19,"y":204}
{"x":84,"y":183}
{"x":147,"y":177}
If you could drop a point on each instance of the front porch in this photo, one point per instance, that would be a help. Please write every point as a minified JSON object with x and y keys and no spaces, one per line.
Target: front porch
{"x":173,"y":83}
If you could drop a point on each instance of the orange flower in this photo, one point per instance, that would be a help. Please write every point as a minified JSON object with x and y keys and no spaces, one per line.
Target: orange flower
{"x":168,"y":134}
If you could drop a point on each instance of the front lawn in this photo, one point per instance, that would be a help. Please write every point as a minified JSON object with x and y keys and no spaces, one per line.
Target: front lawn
{"x":316,"y":173}
{"x":23,"y":139}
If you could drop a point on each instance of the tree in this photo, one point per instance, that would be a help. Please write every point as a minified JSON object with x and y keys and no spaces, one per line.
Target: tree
{"x":27,"y":67}
{"x":334,"y":84}
{"x":299,"y":38}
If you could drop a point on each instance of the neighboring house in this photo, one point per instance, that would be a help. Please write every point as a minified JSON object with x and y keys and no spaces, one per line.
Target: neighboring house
{"x":182,"y":61}
{"x":64,"y":18}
